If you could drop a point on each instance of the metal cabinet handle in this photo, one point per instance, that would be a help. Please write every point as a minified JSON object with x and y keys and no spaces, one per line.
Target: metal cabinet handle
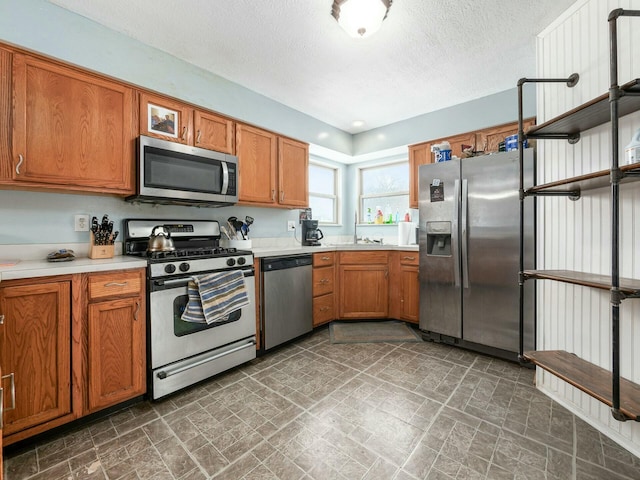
{"x":19,"y":164}
{"x":184,"y":133}
{"x":273,"y":195}
{"x":408,"y":258}
{"x":282,"y":195}
{"x":116,"y":284}
{"x":386,"y":273}
{"x":135,"y":314}
{"x":198,"y":136}
{"x":324,"y":309}
{"x":13,"y":391}
{"x":1,"y":319}
{"x":326,"y":258}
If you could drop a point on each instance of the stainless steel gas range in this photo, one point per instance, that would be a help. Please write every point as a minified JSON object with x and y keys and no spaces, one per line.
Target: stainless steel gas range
{"x":182,"y":353}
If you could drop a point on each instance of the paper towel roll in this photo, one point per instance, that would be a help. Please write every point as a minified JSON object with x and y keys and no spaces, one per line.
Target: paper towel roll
{"x":406,"y":233}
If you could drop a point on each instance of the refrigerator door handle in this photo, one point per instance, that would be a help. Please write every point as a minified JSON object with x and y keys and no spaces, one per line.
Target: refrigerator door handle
{"x":454,"y":233}
{"x":464,"y":237}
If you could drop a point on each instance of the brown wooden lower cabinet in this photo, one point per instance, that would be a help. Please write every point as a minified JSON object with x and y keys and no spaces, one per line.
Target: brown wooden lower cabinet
{"x":363,"y":282}
{"x":404,"y":288}
{"x":73,"y":345}
{"x":116,"y":326}
{"x":116,"y":336}
{"x":36,"y":356}
{"x":323,"y":279}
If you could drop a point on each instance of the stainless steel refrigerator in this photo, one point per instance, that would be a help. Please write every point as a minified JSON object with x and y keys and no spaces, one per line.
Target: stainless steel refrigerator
{"x":469,"y":253}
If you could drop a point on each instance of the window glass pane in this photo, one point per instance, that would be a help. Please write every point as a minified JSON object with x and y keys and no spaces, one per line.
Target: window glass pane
{"x":385,"y":179}
{"x":321,"y":179}
{"x":322,"y":209}
{"x":392,"y":204}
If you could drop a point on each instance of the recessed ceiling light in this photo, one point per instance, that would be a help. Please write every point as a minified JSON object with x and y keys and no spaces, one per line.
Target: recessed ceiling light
{"x":358,"y":123}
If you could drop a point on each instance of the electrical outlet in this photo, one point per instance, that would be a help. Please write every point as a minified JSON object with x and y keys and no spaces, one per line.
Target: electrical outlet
{"x":81,"y":223}
{"x":291,"y":226}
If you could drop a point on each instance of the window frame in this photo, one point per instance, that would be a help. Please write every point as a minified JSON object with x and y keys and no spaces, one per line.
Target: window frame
{"x":361,"y":197}
{"x":337,"y":184}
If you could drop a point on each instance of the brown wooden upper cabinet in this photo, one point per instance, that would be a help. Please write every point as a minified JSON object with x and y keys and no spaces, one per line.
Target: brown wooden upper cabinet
{"x":274,"y":171}
{"x":172,"y":120}
{"x":71,"y":130}
{"x":486,"y":140}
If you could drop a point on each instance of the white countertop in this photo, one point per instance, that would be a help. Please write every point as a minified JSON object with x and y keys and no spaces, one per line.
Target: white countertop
{"x":43,"y":268}
{"x":277,"y":251}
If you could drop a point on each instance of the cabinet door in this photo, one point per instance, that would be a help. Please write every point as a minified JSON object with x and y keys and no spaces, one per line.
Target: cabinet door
{"x":293,"y":173}
{"x":213,"y":132}
{"x":488,"y":139}
{"x":1,"y":393}
{"x":71,"y":130}
{"x":409,"y":293}
{"x":418,"y":155}
{"x":116,"y":346}
{"x":37,"y":352}
{"x":364,"y":291}
{"x":165,"y":118}
{"x":256,"y":150}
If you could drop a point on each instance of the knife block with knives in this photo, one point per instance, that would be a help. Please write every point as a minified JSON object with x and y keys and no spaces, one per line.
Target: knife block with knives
{"x":102,"y":238}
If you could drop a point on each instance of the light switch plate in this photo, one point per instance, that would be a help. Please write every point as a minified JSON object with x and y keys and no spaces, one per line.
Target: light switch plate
{"x":291,"y":226}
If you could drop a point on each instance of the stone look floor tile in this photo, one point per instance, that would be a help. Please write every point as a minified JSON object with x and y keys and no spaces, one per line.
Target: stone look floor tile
{"x":317,"y":411}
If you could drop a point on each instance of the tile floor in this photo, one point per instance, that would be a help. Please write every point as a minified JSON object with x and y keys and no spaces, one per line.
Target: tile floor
{"x":314,"y":410}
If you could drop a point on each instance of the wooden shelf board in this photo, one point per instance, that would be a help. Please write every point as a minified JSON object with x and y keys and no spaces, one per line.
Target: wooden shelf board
{"x":588,"y":181}
{"x":588,"y":115}
{"x":591,"y":379}
{"x":627,"y":285}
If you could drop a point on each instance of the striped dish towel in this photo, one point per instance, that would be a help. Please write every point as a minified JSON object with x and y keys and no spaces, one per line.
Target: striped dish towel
{"x":213,"y":297}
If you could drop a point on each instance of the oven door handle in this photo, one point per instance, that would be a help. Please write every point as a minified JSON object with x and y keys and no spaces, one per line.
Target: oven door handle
{"x":182,"y":282}
{"x":167,"y":372}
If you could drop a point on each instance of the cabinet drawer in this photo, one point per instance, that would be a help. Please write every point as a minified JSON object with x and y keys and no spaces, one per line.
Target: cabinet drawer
{"x":364,"y":258}
{"x":323,"y":259}
{"x":115,"y":284}
{"x":323,"y":309}
{"x":323,"y":280}
{"x":409,"y":258}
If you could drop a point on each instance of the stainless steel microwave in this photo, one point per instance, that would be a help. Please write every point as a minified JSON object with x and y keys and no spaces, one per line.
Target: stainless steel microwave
{"x":175,"y":174}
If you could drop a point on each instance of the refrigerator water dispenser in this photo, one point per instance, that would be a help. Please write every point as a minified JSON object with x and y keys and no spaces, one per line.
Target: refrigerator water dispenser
{"x":439,"y":239}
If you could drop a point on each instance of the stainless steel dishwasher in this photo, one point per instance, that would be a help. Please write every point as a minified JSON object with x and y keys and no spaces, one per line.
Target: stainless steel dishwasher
{"x":286,"y":299}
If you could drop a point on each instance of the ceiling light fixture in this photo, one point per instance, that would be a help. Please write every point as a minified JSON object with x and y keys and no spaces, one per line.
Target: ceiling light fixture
{"x":360,"y":18}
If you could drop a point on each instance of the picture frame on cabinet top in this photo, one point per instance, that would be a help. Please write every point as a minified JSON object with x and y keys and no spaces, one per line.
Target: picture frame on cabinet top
{"x":162,"y":120}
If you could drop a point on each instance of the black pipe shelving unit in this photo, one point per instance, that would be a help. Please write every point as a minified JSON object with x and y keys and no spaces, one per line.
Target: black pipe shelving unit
{"x":622,"y":395}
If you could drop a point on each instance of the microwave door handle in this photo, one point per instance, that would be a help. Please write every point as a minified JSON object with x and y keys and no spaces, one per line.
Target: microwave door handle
{"x":225,"y":178}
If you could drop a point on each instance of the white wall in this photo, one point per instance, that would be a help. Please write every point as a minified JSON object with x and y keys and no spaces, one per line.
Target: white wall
{"x":576,"y":235}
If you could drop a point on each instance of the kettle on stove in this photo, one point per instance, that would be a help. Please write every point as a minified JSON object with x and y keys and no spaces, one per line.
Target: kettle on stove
{"x":311,"y":234}
{"x":161,"y":241}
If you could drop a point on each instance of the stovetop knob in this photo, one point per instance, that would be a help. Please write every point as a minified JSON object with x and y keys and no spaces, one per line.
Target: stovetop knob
{"x":184,"y":267}
{"x":170,"y":268}
{"x":242,"y":261}
{"x":231,"y":262}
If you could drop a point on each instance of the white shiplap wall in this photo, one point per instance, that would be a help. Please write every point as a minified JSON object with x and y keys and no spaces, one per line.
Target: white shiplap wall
{"x":577,"y":235}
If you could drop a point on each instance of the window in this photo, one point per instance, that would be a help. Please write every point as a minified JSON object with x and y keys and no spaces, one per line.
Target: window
{"x":385,"y":187}
{"x":323,"y":192}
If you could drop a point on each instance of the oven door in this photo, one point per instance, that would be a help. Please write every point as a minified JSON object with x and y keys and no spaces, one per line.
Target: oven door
{"x":173,"y":339}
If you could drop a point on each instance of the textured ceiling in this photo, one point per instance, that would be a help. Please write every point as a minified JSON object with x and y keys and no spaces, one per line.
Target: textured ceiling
{"x":428,"y":55}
